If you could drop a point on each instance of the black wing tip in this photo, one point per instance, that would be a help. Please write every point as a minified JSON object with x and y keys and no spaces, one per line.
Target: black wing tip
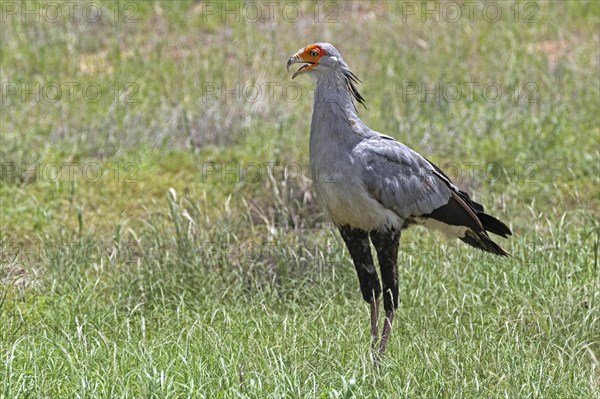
{"x":483,"y":242}
{"x":494,"y":225}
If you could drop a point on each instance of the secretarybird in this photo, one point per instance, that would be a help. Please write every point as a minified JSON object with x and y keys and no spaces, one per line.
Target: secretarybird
{"x":376,"y":186}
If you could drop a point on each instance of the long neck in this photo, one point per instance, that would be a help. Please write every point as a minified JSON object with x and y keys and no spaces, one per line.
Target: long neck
{"x":335,"y":125}
{"x":332,"y":98}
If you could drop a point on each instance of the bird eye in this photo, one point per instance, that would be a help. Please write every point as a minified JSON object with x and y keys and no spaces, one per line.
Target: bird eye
{"x":314,"y":53}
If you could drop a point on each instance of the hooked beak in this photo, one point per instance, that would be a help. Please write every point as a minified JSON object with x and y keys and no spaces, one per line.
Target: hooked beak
{"x":297,"y":59}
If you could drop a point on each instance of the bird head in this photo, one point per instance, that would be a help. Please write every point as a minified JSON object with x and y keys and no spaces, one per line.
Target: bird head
{"x":318,"y":57}
{"x":324,"y":60}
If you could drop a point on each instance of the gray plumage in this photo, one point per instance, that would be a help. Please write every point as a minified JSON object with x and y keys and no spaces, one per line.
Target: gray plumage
{"x":369,"y":180}
{"x":370,"y":183}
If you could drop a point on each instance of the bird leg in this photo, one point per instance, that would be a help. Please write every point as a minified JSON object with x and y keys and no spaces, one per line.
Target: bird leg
{"x":374,"y":330}
{"x":386,"y":244}
{"x":358,"y":245}
{"x":387,"y":330}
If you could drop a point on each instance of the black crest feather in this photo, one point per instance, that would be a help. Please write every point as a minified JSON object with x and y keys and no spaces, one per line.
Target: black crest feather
{"x":351,"y":82}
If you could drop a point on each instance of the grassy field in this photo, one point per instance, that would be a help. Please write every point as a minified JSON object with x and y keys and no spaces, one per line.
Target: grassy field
{"x":160,"y":238}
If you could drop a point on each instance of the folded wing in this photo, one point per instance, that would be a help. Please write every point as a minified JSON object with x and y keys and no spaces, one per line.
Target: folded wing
{"x":415,"y":189}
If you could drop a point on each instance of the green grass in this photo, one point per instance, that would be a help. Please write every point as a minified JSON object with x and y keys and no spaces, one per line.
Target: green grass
{"x":184,"y":266}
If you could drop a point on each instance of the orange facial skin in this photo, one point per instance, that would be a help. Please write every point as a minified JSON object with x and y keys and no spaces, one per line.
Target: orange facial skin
{"x":311,"y":55}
